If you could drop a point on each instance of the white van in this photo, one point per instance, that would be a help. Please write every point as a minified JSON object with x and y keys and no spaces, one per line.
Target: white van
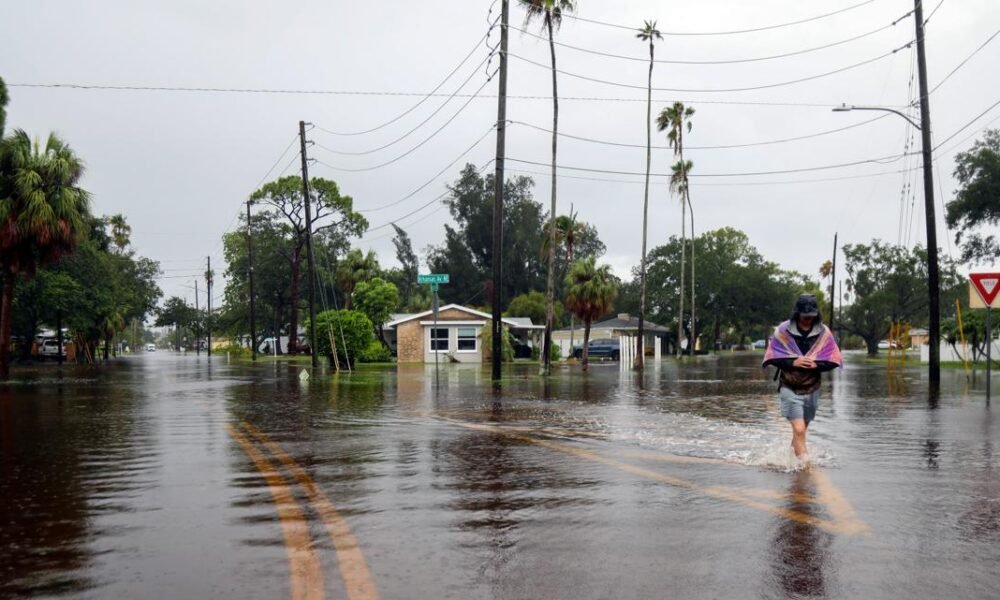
{"x":150,"y":347}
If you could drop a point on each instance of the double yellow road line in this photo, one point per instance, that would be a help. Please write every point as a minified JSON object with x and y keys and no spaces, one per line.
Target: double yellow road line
{"x":306,"y":572}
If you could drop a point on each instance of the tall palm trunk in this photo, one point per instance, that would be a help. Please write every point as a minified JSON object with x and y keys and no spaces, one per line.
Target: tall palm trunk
{"x":6,"y":305}
{"x":680,"y":309}
{"x":550,"y":285}
{"x":586,"y":343}
{"x":694,"y":326}
{"x":640,"y":352}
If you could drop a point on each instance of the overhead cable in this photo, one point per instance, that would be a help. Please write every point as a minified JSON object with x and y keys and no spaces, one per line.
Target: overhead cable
{"x":426,"y":96}
{"x":962,"y":64}
{"x":966,"y":126}
{"x":280,"y":91}
{"x":716,"y":184}
{"x":415,"y":128}
{"x":710,"y":62}
{"x":879,"y":160}
{"x":411,"y":150}
{"x":714,"y":90}
{"x":717,"y":147}
{"x":731,"y":32}
{"x":432,"y":179}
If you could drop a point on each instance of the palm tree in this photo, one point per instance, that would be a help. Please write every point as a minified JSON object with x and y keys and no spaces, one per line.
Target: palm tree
{"x":43,"y":214}
{"x":591,"y":292}
{"x":121,"y":233}
{"x":649,"y":33}
{"x":672,"y":120}
{"x":569,"y":232}
{"x":354,"y":269}
{"x":550,"y":11}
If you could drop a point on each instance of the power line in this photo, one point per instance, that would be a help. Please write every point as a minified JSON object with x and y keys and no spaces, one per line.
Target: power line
{"x":432,"y":179}
{"x":427,"y":96}
{"x":411,"y":150}
{"x":966,"y":126}
{"x":880,"y":160}
{"x":732,"y":32}
{"x":370,"y":93}
{"x":718,"y":147}
{"x":713,"y":90}
{"x":728,"y":184}
{"x":418,"y":126}
{"x":423,"y":206}
{"x":962,"y":64}
{"x":715,"y":62}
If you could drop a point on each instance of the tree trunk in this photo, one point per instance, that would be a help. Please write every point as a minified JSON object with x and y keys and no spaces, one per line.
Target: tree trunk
{"x":293,"y":327}
{"x":550,"y":283}
{"x":717,"y":332}
{"x":59,"y":337}
{"x":872,"y":344}
{"x":6,"y":304}
{"x":586,"y":342}
{"x":640,"y":358}
{"x":694,"y":326}
{"x":680,"y":308}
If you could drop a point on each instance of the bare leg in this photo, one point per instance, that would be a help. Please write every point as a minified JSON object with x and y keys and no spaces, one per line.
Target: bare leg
{"x":799,"y":437}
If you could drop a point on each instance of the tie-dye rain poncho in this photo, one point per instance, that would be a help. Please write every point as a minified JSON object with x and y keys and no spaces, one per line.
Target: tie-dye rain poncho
{"x":782,"y":345}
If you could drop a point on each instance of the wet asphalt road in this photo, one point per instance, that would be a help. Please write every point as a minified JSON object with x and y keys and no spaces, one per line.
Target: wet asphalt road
{"x":166,"y":476}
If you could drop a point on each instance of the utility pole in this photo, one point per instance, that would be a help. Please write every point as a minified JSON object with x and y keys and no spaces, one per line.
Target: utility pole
{"x":498,"y":180}
{"x":253,"y":321}
{"x":208,"y":319}
{"x":933,"y":284}
{"x":309,"y":248}
{"x":833,"y":285}
{"x":197,"y":331}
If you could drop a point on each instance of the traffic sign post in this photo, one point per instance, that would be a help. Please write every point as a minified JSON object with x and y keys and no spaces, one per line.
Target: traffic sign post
{"x":984,"y":290}
{"x":434,"y":280}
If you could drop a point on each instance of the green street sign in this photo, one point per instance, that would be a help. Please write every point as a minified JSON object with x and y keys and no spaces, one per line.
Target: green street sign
{"x":434,"y":278}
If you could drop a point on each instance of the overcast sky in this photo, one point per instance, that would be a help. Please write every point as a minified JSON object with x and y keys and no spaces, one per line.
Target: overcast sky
{"x":179,"y":164}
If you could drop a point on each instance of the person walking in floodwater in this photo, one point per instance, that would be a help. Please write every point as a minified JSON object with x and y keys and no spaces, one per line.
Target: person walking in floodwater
{"x":802,"y":348}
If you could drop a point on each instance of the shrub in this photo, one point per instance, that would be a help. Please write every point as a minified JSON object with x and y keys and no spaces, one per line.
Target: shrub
{"x":554,"y":352}
{"x":350,"y":330}
{"x":375,"y":352}
{"x":235,"y":351}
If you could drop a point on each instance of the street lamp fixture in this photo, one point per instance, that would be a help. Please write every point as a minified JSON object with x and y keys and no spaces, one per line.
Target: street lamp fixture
{"x":933,"y":282}
{"x":846,"y":108}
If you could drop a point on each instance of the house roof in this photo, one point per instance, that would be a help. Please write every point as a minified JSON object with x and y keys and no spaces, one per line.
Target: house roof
{"x":517,"y":323}
{"x":624,"y":322}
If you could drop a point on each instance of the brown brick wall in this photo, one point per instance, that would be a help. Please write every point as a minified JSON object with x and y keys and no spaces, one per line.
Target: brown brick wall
{"x":410,"y":335}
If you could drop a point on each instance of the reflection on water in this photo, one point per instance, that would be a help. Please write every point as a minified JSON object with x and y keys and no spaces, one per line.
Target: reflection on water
{"x":800,"y":552}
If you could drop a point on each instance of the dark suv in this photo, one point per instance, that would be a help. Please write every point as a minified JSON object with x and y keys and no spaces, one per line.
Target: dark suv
{"x":602,"y":348}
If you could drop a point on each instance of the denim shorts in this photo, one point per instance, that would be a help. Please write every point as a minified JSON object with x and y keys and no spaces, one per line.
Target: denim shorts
{"x":798,"y":406}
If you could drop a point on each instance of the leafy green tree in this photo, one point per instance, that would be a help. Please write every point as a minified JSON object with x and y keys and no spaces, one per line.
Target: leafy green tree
{"x":177,"y":312}
{"x":889,"y":283}
{"x":355,"y":269}
{"x":43,"y":215}
{"x":977,"y":201}
{"x":591,"y":292}
{"x":4,"y":99}
{"x":121,"y":232}
{"x":377,"y":299}
{"x":349,"y":331}
{"x":532,"y":305}
{"x":332,"y":211}
{"x":406,"y":280}
{"x":467,"y":252}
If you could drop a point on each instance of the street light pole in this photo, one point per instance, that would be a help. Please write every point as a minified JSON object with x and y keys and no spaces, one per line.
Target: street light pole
{"x":933,"y":281}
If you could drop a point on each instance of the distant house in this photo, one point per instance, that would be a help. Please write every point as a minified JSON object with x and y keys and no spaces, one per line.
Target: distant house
{"x":621,"y":325}
{"x":457,"y":336}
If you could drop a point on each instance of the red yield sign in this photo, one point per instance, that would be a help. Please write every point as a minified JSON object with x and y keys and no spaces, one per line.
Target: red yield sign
{"x":987,"y":285}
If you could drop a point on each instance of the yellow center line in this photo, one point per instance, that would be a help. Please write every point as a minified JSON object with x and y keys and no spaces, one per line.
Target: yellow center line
{"x":353,"y":568}
{"x":735,"y":495}
{"x":305,"y":572}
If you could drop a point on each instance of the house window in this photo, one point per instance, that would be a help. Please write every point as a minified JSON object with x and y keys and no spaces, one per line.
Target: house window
{"x":467,"y":339}
{"x":439,"y":339}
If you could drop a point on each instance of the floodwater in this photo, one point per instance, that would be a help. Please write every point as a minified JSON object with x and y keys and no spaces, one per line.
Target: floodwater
{"x":167,"y":476}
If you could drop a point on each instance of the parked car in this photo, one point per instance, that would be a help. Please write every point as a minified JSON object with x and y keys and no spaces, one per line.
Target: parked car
{"x":600,"y":348}
{"x":886,"y":344}
{"x":49,"y":348}
{"x":760,"y":344}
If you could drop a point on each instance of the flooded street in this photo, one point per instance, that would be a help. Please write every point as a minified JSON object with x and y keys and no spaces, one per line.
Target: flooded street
{"x":166,"y":476}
